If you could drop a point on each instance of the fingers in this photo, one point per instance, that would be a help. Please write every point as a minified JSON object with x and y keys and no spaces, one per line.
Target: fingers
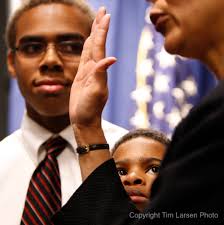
{"x":89,"y":43}
{"x":100,"y":74}
{"x":99,"y":40}
{"x":101,"y":12}
{"x":105,"y":63}
{"x":86,"y":55}
{"x":94,"y":47}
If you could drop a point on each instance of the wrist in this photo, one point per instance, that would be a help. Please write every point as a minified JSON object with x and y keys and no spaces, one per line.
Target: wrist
{"x":87,"y":148}
{"x":88,"y":135}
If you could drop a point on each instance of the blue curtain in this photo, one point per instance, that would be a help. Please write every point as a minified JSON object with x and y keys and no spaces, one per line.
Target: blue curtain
{"x":171,"y":86}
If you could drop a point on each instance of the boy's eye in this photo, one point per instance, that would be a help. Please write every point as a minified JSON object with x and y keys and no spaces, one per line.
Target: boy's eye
{"x":122,"y":171}
{"x":153,"y":169}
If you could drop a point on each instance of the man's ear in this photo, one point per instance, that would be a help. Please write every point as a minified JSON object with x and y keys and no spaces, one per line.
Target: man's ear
{"x":11,"y":63}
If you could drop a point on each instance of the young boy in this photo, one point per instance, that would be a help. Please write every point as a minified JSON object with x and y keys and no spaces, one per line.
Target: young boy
{"x":138,"y":156}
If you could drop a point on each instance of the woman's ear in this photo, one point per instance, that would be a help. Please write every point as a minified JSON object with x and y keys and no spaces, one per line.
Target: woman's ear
{"x":11,"y":63}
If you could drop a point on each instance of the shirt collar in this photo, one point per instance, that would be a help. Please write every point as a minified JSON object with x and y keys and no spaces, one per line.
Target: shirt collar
{"x":68,"y":135}
{"x":35,"y":135}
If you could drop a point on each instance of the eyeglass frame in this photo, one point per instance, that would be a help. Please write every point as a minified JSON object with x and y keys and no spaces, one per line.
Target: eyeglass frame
{"x":45,"y":48}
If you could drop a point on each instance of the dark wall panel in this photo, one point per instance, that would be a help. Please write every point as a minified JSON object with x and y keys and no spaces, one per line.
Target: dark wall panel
{"x":4,"y":80}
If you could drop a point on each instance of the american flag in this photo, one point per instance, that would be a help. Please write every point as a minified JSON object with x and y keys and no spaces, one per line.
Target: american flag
{"x":167,"y":86}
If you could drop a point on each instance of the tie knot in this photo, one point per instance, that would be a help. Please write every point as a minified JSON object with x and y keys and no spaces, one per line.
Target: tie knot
{"x":55,"y":145}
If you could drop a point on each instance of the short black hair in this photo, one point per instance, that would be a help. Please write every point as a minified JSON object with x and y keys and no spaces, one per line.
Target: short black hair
{"x":10,"y":35}
{"x":147,"y":133}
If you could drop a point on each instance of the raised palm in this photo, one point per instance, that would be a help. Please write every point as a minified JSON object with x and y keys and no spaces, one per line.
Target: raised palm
{"x":89,"y":91}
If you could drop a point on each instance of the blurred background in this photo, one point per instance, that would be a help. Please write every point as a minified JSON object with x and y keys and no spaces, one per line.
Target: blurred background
{"x":148,"y":87}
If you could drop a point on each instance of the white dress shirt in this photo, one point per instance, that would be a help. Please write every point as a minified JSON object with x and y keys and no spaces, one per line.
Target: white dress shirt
{"x":20,"y":154}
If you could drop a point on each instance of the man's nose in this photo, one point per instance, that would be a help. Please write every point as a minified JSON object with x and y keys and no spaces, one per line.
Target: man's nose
{"x":51,"y":61}
{"x":133,"y":178}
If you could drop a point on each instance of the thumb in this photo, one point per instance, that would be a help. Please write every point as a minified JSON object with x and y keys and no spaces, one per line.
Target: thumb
{"x":105,"y":63}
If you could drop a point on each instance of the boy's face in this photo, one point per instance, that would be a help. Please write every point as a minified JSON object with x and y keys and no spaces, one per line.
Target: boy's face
{"x":138,"y":161}
{"x":45,"y":75}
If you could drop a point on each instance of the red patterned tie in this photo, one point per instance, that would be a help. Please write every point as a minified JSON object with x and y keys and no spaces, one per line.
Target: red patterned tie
{"x":44,"y":193}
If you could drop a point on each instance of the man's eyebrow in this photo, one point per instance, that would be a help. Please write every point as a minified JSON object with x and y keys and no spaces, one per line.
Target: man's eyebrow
{"x":60,"y":37}
{"x":30,"y":38}
{"x":69,"y":36}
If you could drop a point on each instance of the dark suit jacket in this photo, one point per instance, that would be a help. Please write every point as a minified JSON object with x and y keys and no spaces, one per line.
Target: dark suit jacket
{"x":189,"y":189}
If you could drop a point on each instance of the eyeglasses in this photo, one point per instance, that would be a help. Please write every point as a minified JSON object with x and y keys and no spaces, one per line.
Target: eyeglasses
{"x":68,"y":50}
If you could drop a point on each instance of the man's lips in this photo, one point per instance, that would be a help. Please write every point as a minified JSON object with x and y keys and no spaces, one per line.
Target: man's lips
{"x":50,"y":81}
{"x":51,"y":85}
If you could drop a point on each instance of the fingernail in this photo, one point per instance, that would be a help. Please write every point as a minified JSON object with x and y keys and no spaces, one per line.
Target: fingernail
{"x":102,"y":8}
